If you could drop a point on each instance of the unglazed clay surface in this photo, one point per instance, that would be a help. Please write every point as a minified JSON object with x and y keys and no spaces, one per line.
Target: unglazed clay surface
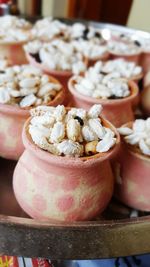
{"x":11,"y":146}
{"x":57,"y":194}
{"x":132,"y":185}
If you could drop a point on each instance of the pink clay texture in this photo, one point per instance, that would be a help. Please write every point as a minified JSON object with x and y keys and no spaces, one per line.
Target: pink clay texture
{"x":133,"y":58}
{"x":62,"y":188}
{"x":12,"y":120}
{"x":145,"y":61}
{"x":118,"y":111}
{"x":132,"y":171}
{"x":14,"y":52}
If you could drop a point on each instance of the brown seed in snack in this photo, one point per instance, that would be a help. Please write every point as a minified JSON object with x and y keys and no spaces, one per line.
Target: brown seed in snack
{"x":52,"y":94}
{"x":90,"y":148}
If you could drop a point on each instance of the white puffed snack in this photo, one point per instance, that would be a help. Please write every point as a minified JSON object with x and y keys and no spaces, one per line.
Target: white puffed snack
{"x":95,"y":111}
{"x":58,"y":55}
{"x":97,"y":84}
{"x":96,"y":127}
{"x":73,"y":130}
{"x":106,"y":143}
{"x":68,"y":147}
{"x":88,"y":134}
{"x":28,"y":101}
{"x":138,"y":135}
{"x":59,"y":113}
{"x":24,"y":86}
{"x":125,"y":130}
{"x":70,"y":132}
{"x":57,"y":133}
{"x":4,"y":96}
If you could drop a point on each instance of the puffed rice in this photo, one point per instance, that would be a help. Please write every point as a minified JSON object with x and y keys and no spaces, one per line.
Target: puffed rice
{"x":73,"y":130}
{"x":99,"y":85}
{"x":24,"y":87}
{"x":138,"y":135}
{"x":58,"y":55}
{"x":71,"y":133}
{"x":14,"y":29}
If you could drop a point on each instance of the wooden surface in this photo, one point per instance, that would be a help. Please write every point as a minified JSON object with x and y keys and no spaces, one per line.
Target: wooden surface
{"x":105,"y":237}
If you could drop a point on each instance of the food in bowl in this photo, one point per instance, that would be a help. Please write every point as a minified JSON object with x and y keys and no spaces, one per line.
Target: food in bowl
{"x":68,"y":179}
{"x":73,"y":132}
{"x":98,"y":85}
{"x":138,"y":136}
{"x":57,"y":55}
{"x":22,"y":88}
{"x":122,"y":48}
{"x":25,"y":86}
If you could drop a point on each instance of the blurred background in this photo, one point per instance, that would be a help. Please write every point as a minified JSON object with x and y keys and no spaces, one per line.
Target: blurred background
{"x":133,"y":13}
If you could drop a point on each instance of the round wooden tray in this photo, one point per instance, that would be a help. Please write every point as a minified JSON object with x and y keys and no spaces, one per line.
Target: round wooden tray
{"x":114,"y":234}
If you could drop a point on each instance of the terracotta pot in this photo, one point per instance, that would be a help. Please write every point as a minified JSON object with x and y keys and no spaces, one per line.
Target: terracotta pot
{"x":145,"y":100}
{"x":55,"y":188}
{"x":62,"y":76}
{"x":132,"y":170}
{"x":14,"y":52}
{"x":145,"y":61}
{"x":12,"y":119}
{"x":133,"y":57}
{"x":104,"y":57}
{"x":117,"y":111}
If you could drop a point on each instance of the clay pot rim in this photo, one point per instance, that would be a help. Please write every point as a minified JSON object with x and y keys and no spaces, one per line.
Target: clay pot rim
{"x":139,"y":51}
{"x":133,"y":86}
{"x":136,"y":78}
{"x":45,"y":69}
{"x":66,"y":161}
{"x":103,"y":57}
{"x":18,"y":111}
{"x":132,"y":149}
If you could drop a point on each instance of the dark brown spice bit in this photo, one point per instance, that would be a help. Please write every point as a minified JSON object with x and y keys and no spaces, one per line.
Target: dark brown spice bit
{"x":98,"y":35}
{"x":36,"y":57}
{"x":137,"y":43}
{"x":122,"y":35}
{"x":79,"y":120}
{"x":114,"y":97}
{"x":85,"y":33}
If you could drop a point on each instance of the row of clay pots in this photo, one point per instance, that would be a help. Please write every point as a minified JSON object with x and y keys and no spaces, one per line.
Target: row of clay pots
{"x":118,"y":111}
{"x":16,"y":54}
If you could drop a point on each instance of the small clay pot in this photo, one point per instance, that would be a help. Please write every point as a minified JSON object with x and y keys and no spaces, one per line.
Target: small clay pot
{"x":12,"y":119}
{"x":132,"y":171}
{"x":128,"y":57}
{"x":56,"y":188}
{"x":104,"y":57}
{"x":145,"y":100}
{"x":117,"y":111}
{"x":60,"y":75}
{"x":14,"y":52}
{"x":145,"y":61}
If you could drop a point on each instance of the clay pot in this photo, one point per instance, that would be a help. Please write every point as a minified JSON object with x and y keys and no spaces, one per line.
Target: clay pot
{"x":117,"y":111}
{"x":56,"y":188}
{"x":145,"y":100}
{"x":132,"y":170}
{"x":12,"y":119}
{"x":14,"y":52}
{"x":145,"y":61}
{"x":62,"y":76}
{"x":103,"y":58}
{"x":130,"y":57}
